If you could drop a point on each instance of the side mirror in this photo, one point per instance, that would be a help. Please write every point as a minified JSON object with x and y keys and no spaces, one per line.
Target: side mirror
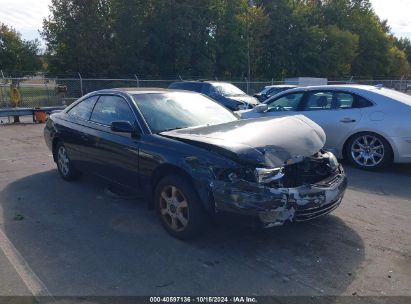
{"x":260,"y":108}
{"x":122,"y":126}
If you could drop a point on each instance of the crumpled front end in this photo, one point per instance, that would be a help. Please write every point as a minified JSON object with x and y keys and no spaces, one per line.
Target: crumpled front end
{"x":304,"y":191}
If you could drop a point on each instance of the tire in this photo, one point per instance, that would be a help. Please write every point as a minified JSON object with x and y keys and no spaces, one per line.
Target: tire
{"x":64,"y":165}
{"x":369,"y":151}
{"x":179,"y":207}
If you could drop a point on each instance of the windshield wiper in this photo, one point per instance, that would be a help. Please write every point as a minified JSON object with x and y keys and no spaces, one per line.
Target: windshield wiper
{"x":172,"y":129}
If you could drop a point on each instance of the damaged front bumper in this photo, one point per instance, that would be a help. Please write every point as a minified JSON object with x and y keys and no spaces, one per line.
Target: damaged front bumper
{"x":275,"y":206}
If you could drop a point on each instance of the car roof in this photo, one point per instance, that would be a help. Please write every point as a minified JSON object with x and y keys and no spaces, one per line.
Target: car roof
{"x":347,"y":87}
{"x":362,"y":87}
{"x":357,"y":88}
{"x":201,"y":81}
{"x":133,"y":91}
{"x":281,"y":86}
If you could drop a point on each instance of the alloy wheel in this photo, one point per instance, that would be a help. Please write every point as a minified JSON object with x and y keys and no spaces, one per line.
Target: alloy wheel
{"x":174,"y":208}
{"x":367,"y":151}
{"x":63,"y":161}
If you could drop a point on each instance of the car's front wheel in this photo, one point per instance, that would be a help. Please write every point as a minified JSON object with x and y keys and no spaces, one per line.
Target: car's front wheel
{"x":64,"y":165}
{"x":369,"y":151}
{"x":179,"y":207}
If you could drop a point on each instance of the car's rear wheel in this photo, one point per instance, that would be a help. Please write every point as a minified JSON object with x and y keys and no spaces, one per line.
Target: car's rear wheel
{"x":179,"y":207}
{"x":369,"y":151}
{"x":64,"y":165}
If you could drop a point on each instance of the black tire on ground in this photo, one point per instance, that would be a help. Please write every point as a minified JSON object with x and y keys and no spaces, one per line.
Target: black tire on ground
{"x":179,"y":207}
{"x":64,"y":165}
{"x":369,"y":144}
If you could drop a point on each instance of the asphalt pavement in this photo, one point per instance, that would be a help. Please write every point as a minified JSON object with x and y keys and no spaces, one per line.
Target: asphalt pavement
{"x":75,"y":239}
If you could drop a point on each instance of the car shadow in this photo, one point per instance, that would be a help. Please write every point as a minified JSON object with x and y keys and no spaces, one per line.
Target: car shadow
{"x":82,"y":242}
{"x":388,"y":181}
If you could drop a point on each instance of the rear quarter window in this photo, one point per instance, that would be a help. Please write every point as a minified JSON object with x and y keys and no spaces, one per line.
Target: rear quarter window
{"x":83,"y":109}
{"x":361,"y":102}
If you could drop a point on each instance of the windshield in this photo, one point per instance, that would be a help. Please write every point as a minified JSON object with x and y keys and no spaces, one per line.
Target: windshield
{"x":265,"y":90}
{"x":168,"y":111}
{"x":227,"y":89}
{"x":271,"y":91}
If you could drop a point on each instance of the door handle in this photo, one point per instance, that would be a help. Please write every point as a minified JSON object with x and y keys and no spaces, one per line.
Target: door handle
{"x":347,"y":120}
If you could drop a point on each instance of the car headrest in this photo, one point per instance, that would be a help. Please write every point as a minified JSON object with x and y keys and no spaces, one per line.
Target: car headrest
{"x":322,"y":102}
{"x":335,"y":103}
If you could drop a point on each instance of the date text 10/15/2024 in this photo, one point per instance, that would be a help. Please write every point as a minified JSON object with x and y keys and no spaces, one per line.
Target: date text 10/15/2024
{"x":239,"y":299}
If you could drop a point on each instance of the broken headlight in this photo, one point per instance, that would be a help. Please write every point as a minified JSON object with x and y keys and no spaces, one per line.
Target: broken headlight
{"x":332,"y":161}
{"x":234,"y":174}
{"x":267,"y":175}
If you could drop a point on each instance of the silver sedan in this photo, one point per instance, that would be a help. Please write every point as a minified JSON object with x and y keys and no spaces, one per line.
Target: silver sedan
{"x":369,"y":126}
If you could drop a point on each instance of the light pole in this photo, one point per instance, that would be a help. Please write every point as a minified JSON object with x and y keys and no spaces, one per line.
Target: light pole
{"x":250,"y":4}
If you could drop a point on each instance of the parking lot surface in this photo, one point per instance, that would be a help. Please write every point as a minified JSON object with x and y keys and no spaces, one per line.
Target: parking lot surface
{"x":73,"y":239}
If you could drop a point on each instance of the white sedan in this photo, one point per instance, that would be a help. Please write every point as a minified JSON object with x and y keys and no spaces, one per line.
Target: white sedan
{"x":369,"y":126}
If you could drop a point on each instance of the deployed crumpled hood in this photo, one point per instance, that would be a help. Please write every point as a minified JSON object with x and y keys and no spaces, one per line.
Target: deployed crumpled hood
{"x":245,"y":98}
{"x":264,"y":141}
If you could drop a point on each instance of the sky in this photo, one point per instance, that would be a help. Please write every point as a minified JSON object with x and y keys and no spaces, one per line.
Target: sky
{"x":26,"y":16}
{"x":398,"y":14}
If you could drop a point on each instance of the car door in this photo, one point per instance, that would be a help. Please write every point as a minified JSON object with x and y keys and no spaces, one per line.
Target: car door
{"x":334,"y":111}
{"x":116,"y":154}
{"x":75,"y":130}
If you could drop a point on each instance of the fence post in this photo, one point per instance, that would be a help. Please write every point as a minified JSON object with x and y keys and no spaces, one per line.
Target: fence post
{"x":402,"y":79}
{"x":1,"y":88}
{"x":137,"y":80}
{"x":248,"y":84}
{"x":47,"y":89}
{"x":272,"y":81}
{"x":81,"y":83}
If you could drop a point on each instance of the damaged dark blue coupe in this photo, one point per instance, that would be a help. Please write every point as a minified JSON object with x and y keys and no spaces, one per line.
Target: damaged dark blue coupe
{"x":192,"y":158}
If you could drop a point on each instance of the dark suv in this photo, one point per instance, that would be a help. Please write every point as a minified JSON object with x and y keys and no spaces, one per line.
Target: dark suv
{"x":224,"y":93}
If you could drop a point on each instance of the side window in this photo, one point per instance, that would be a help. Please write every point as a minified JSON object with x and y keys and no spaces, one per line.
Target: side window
{"x":319,"y":101}
{"x":342,"y":101}
{"x":111,"y":108}
{"x":289,"y":102}
{"x":83,"y":109}
{"x":360,"y":102}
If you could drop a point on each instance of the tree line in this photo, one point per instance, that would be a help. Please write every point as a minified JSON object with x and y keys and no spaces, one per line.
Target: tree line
{"x":17,"y":54}
{"x":222,"y":39}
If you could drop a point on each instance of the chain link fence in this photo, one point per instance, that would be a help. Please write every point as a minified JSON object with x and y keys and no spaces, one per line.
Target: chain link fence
{"x":39,"y":91}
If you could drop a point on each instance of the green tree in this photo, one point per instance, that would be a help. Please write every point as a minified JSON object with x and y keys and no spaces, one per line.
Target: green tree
{"x":404,"y":44}
{"x":17,"y":54}
{"x":130,"y":38}
{"x":277,"y":60}
{"x":339,"y":50}
{"x":212,"y":38}
{"x":178,"y":31}
{"x":228,"y":31}
{"x":79,"y":36}
{"x":258,"y":27}
{"x":399,"y":65}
